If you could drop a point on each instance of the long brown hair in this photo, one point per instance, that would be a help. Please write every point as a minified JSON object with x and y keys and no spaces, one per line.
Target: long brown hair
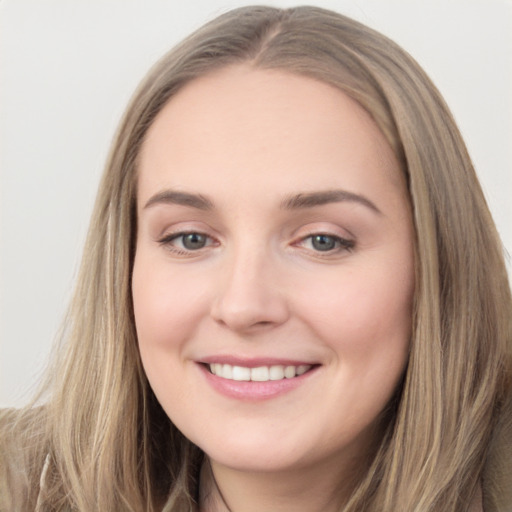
{"x":102,"y":437}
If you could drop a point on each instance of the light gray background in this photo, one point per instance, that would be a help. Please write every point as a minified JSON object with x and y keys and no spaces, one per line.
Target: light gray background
{"x":68,"y":68}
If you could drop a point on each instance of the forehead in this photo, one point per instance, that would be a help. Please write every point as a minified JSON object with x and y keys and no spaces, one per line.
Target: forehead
{"x":258,"y":123}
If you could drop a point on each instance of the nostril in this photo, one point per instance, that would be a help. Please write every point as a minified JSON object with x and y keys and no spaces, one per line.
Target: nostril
{"x":248,"y":298}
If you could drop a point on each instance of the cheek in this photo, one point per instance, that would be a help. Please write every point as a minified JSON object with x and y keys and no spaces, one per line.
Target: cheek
{"x":167,"y":307}
{"x":365,"y":318}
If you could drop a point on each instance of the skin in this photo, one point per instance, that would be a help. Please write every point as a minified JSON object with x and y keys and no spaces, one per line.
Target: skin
{"x":261,"y":287}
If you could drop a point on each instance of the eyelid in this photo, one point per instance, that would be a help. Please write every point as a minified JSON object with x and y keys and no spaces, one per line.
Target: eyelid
{"x":173,"y":228}
{"x":168,"y":239}
{"x":345,"y":244}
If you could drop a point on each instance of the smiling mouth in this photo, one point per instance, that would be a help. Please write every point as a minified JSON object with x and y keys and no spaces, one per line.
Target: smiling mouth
{"x":258,"y":374}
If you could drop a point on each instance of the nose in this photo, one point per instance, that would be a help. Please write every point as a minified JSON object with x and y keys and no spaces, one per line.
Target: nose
{"x":250,"y":297}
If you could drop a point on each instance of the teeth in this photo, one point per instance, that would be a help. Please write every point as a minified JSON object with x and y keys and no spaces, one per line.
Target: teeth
{"x":259,"y":374}
{"x":289,"y":372}
{"x":276,"y":372}
{"x":226,"y":370}
{"x":303,"y":368}
{"x":238,"y":373}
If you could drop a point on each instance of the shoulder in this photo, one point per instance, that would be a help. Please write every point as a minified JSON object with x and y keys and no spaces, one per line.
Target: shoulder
{"x":497,"y":476}
{"x":22,"y":457}
{"x":476,"y":505}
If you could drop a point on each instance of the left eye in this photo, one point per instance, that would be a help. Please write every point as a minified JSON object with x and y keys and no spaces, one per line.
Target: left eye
{"x":325,"y":243}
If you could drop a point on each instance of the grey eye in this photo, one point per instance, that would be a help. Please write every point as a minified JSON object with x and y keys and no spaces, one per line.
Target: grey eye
{"x":324,"y":242}
{"x":194,"y":241}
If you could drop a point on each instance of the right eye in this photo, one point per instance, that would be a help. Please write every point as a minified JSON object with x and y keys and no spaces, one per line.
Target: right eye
{"x":186,"y":242}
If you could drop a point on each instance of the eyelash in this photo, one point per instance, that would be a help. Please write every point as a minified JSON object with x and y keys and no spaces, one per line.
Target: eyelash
{"x":340,"y":244}
{"x":168,"y":240}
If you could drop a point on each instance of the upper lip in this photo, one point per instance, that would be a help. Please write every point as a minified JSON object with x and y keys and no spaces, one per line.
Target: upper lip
{"x":253,"y":362}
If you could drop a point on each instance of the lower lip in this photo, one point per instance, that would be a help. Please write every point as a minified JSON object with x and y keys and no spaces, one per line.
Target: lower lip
{"x":249,"y":390}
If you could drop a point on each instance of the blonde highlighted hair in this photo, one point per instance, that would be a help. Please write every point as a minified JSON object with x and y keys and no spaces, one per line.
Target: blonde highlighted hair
{"x":100,"y":435}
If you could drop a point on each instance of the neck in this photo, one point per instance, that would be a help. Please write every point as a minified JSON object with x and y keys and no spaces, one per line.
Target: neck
{"x":226,"y":490}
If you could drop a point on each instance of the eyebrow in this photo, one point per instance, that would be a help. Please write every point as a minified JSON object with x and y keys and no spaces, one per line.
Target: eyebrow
{"x":181,"y":198}
{"x":295,"y":202}
{"x":312,"y":199}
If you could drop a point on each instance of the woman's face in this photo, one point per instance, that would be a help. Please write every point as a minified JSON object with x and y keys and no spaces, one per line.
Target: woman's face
{"x":273,"y":275}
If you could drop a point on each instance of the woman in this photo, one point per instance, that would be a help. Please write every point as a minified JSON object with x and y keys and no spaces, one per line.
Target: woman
{"x":292,"y":295}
